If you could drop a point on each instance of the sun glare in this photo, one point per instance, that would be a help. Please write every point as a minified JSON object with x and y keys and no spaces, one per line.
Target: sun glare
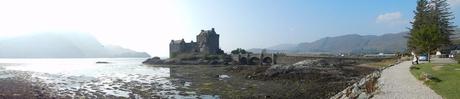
{"x":117,"y":22}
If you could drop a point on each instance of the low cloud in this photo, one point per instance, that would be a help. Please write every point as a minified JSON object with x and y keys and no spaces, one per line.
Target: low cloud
{"x":392,"y":18}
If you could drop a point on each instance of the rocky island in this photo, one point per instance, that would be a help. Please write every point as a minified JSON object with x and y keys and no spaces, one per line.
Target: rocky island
{"x":204,"y":51}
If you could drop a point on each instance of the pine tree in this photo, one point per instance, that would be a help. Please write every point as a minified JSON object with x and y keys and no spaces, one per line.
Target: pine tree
{"x":442,"y":17}
{"x":427,"y":38}
{"x":432,"y":27}
{"x":420,"y":18}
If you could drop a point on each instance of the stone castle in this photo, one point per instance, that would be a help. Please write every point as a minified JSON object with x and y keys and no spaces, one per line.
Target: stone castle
{"x":207,"y":42}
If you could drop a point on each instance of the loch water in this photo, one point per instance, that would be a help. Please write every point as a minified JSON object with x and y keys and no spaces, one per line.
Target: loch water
{"x":119,"y":77}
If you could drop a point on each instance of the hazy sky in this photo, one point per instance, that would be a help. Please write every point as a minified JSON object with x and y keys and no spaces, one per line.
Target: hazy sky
{"x":149,"y":25}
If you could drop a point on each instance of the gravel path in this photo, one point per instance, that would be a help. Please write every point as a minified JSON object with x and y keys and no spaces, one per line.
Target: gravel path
{"x":398,"y":83}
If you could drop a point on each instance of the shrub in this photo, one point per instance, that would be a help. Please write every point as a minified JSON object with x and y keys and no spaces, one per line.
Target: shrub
{"x":413,"y":67}
{"x":457,"y":58}
{"x":211,"y":57}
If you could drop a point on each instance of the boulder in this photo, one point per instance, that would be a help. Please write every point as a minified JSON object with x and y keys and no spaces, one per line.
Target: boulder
{"x":304,"y":67}
{"x":363,"y":96}
{"x":154,"y":60}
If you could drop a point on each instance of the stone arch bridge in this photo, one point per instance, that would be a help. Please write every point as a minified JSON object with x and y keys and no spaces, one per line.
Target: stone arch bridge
{"x":273,"y":58}
{"x":255,"y":59}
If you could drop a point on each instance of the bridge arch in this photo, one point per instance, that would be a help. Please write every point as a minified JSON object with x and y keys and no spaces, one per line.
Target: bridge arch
{"x":243,"y":61}
{"x":267,"y":60}
{"x":254,"y":61}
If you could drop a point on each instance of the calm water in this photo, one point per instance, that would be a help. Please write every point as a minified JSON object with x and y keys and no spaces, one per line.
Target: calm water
{"x":119,"y":78}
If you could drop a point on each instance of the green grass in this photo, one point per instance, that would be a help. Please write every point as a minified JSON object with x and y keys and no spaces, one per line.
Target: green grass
{"x":449,"y":75}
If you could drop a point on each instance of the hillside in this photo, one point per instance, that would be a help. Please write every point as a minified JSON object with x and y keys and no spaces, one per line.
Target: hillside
{"x":352,"y":43}
{"x":58,"y":45}
{"x":356,"y":43}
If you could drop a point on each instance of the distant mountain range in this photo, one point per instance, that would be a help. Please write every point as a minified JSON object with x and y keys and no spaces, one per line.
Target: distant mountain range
{"x":353,"y":43}
{"x":61,"y":45}
{"x":357,"y":44}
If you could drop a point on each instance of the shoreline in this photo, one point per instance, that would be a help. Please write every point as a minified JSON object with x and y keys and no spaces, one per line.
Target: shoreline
{"x":224,"y":81}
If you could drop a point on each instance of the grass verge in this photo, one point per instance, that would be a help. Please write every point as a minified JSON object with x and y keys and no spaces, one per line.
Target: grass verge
{"x":447,"y":83}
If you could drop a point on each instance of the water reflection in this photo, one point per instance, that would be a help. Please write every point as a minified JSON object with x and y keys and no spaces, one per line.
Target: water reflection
{"x":83,"y":77}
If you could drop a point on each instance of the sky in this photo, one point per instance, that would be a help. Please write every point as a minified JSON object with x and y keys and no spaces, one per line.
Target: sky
{"x":149,"y":25}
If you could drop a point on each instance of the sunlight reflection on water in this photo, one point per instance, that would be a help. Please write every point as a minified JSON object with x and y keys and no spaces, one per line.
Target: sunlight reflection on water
{"x":118,"y":78}
{"x":86,"y":67}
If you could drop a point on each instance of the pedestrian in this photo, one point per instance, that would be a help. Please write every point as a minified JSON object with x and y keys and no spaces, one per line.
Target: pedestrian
{"x":415,"y":60}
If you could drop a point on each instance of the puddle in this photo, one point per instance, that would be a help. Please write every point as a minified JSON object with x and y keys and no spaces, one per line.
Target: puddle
{"x":187,"y":84}
{"x":222,"y":77}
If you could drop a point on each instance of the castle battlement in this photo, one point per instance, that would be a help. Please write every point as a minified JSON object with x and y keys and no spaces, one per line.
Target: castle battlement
{"x":207,"y":42}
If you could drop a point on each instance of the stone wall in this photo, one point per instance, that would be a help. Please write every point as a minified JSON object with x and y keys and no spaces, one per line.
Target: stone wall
{"x":364,"y":88}
{"x":283,"y":59}
{"x":181,"y":48}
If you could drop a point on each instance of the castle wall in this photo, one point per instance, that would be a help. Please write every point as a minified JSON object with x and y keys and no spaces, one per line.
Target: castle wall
{"x":182,"y":48}
{"x":207,"y":43}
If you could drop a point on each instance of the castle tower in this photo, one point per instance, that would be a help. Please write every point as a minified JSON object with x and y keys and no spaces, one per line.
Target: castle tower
{"x":208,"y":41}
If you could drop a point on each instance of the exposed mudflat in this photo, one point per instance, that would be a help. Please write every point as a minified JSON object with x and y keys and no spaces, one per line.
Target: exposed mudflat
{"x":12,"y":87}
{"x":30,"y":85}
{"x":252,"y":81}
{"x":127,"y":78}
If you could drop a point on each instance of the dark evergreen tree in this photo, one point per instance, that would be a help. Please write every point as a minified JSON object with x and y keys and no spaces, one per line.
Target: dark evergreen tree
{"x":238,"y":51}
{"x":442,"y":18}
{"x":420,"y":18}
{"x":432,"y":27}
{"x":427,"y":38}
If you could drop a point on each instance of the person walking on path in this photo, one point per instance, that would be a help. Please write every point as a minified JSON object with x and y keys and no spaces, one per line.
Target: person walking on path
{"x":415,"y":60}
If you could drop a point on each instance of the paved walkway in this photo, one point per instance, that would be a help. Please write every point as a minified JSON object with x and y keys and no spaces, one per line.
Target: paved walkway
{"x":398,"y":83}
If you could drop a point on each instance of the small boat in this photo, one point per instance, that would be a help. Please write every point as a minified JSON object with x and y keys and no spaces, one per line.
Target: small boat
{"x":102,"y":62}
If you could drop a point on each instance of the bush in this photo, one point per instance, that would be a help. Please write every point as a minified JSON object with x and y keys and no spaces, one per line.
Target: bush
{"x":426,"y":77}
{"x":457,"y":58}
{"x":211,"y":57}
{"x":413,"y":67}
{"x":239,"y":51}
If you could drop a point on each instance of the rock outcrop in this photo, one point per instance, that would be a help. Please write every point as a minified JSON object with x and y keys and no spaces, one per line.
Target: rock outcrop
{"x":304,"y":67}
{"x":154,"y":60}
{"x":186,"y":61}
{"x":319,"y":69}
